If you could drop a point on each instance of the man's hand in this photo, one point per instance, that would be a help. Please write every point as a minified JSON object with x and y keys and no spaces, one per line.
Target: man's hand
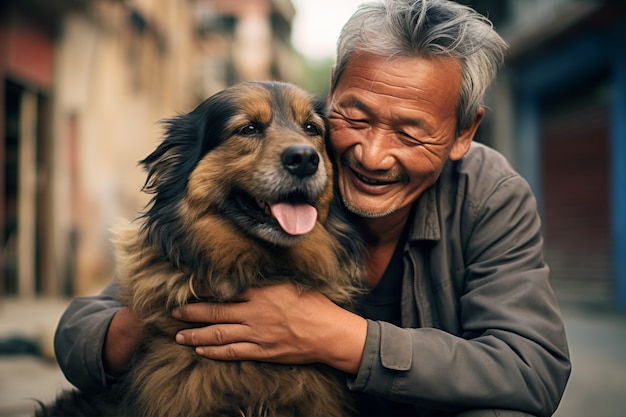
{"x":276,"y":324}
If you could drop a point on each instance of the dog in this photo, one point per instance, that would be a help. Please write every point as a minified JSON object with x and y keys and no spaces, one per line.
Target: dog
{"x":242,"y":196}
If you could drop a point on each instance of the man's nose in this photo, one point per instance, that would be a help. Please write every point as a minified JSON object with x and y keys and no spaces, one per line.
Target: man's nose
{"x":373,"y":151}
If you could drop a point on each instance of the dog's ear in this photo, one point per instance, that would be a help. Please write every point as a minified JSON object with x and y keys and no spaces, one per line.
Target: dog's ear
{"x":321,"y":107}
{"x":175,"y":157}
{"x":188,"y":137}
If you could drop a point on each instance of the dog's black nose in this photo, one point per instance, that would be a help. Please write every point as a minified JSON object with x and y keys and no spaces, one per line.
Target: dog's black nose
{"x":301,"y":160}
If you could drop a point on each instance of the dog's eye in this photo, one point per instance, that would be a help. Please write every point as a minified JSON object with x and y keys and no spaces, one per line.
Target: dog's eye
{"x":312,"y":129}
{"x":250,"y":130}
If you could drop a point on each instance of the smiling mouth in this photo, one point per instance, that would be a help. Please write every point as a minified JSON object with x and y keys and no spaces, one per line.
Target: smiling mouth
{"x":293,"y":214}
{"x":373,"y":182}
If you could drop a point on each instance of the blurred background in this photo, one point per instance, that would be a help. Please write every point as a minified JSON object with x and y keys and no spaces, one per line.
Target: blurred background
{"x":84,"y":84}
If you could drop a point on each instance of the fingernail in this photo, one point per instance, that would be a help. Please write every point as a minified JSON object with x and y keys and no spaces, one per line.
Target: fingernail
{"x":176,"y":313}
{"x":180,"y":338}
{"x":199,"y":351}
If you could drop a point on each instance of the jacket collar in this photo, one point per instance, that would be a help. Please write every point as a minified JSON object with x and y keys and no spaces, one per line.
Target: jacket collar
{"x":425,"y":213}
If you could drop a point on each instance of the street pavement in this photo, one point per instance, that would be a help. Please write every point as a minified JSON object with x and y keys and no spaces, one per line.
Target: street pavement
{"x":597,"y":340}
{"x":597,"y":337}
{"x":27,"y":368}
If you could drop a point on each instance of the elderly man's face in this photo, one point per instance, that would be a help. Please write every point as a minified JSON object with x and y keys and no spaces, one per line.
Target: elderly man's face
{"x":393,"y":125}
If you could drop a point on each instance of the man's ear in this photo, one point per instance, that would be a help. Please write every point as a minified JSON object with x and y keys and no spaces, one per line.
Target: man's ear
{"x":464,"y":140}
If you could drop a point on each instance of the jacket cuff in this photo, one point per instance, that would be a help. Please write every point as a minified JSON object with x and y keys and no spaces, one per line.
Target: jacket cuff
{"x":388,"y":350}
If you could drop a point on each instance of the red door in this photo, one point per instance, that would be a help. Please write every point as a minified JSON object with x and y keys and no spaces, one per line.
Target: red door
{"x":575,"y":169}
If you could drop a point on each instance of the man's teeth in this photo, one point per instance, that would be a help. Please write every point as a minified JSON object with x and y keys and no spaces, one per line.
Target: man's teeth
{"x":369,"y":180}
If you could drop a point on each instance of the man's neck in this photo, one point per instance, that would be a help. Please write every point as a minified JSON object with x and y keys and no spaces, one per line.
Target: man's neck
{"x":382,"y":231}
{"x":380,"y":236}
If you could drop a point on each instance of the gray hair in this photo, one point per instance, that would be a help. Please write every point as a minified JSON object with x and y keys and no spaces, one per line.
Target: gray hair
{"x":409,"y":28}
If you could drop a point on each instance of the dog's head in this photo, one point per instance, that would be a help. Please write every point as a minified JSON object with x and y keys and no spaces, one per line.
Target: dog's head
{"x":253,"y":155}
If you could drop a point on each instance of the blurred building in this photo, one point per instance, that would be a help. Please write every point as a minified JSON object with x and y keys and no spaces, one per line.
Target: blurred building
{"x":83,"y":85}
{"x":559,"y":112}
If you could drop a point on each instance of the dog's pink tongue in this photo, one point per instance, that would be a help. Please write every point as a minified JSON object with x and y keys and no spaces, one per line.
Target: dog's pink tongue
{"x":295,"y":219}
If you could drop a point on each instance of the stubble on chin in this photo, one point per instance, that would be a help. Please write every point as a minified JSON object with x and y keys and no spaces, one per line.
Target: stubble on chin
{"x":368,"y":214}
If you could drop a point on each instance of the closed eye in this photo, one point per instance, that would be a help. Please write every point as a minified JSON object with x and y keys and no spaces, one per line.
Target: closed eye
{"x":357,"y":123}
{"x":407,"y":138}
{"x":251,"y":129}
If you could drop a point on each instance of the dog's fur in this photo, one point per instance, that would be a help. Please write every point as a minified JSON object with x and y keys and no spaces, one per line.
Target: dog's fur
{"x":208,"y":230}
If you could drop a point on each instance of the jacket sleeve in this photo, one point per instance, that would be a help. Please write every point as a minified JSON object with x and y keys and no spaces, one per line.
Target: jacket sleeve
{"x":511,"y":350}
{"x":79,"y":339}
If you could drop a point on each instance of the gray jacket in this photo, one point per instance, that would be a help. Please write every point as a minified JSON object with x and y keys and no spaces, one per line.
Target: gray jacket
{"x":481,"y":326}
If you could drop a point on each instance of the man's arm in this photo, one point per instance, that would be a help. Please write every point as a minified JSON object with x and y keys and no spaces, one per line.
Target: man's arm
{"x":124,"y":336}
{"x":96,"y":339}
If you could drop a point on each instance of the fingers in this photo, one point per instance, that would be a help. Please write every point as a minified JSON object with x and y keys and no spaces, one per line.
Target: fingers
{"x":233,"y":352}
{"x":216,"y":335}
{"x":254,"y":301}
{"x":233,"y":343}
{"x":208,"y":312}
{"x":223,"y":342}
{"x":227,"y":339}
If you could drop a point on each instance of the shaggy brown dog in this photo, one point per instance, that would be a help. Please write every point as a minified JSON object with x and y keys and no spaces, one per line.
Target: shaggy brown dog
{"x":242,"y":192}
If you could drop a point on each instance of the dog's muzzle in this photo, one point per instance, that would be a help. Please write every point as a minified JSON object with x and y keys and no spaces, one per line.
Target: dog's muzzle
{"x":297,"y":219}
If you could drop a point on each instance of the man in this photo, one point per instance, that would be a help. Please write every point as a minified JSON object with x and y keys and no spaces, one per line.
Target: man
{"x":461,"y":315}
